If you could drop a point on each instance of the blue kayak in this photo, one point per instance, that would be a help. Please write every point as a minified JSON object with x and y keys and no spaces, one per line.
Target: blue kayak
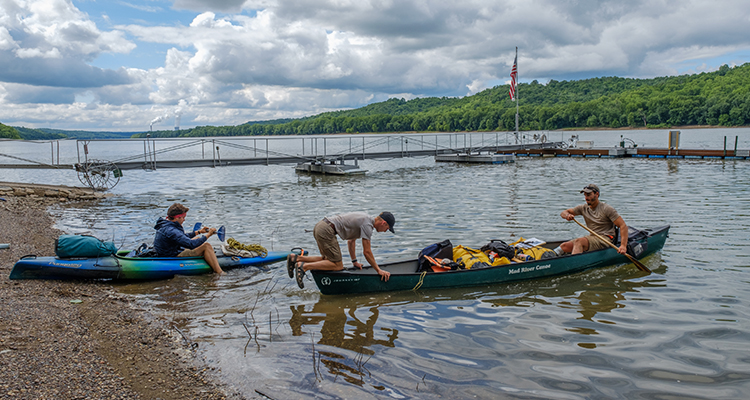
{"x":123,"y":266}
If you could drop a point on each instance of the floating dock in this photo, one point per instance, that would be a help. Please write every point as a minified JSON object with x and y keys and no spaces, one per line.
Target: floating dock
{"x":330,"y":168}
{"x":491,"y":158}
{"x":638,"y":152}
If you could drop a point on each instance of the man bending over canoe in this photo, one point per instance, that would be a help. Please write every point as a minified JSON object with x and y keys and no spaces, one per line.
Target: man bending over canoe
{"x":172,"y":241}
{"x":350,"y":227}
{"x":600,"y":218}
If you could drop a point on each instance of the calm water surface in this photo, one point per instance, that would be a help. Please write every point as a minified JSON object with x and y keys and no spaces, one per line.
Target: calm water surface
{"x":681,"y":332}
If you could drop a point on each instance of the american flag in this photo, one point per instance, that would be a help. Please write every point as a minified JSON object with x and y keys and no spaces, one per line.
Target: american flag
{"x":513,"y":78}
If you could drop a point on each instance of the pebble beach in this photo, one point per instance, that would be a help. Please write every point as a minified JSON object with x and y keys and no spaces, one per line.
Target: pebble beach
{"x":82,"y":339}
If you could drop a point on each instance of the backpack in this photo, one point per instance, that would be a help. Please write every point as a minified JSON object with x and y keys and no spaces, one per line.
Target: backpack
{"x":637,"y":242}
{"x":438,"y":250}
{"x":82,"y":246}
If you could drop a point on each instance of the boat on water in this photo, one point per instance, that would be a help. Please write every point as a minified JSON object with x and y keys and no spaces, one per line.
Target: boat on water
{"x":123,"y":266}
{"x":406,"y":275}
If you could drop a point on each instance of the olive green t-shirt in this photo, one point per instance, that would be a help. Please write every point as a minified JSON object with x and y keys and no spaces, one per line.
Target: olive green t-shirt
{"x":600,"y":220}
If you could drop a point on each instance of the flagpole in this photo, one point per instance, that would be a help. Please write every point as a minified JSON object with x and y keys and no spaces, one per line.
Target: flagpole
{"x":516,"y":94}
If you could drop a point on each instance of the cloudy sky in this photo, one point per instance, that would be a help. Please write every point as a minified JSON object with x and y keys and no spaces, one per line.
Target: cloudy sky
{"x":123,"y":65}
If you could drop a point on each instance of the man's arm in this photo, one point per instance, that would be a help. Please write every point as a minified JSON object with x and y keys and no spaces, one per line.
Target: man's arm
{"x":184,"y":241}
{"x":367,"y":250}
{"x":620,"y":223}
{"x":568,"y":214}
{"x":352,"y":246}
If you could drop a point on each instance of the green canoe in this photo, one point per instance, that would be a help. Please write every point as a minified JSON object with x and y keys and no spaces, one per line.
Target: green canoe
{"x":405,"y":275}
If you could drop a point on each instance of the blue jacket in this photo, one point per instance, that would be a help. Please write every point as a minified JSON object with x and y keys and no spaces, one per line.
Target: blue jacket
{"x":171,"y":238}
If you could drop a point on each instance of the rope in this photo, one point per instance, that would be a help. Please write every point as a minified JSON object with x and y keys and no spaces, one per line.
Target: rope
{"x":234,"y":244}
{"x":421,"y":280}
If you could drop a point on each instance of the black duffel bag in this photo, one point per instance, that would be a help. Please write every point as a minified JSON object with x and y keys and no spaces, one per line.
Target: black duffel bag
{"x":501,"y":248}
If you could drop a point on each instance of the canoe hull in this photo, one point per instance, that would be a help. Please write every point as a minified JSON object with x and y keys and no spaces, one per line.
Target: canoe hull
{"x":404,"y":277}
{"x":120,"y":267}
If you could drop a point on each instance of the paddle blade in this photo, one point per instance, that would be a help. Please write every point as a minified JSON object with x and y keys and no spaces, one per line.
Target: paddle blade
{"x":221,"y":233}
{"x":197,"y":226}
{"x":638,"y":264}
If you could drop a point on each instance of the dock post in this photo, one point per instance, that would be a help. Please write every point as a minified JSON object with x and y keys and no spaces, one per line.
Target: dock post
{"x":725,"y":147}
{"x":674,"y":142}
{"x":734,"y":154}
{"x":267,"y":160}
{"x":363,"y":147}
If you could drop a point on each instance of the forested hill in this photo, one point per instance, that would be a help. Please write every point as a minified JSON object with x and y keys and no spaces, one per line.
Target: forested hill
{"x":715,"y":98}
{"x":8,"y":132}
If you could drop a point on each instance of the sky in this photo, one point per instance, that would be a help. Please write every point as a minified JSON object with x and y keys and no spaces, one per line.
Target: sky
{"x":135,"y":65}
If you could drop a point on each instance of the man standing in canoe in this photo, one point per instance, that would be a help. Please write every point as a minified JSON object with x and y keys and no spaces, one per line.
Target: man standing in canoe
{"x":600,"y":218}
{"x":172,"y":241}
{"x":350,"y":227}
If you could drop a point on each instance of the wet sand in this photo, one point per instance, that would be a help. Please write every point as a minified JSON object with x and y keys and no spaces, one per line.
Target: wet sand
{"x":81,"y":339}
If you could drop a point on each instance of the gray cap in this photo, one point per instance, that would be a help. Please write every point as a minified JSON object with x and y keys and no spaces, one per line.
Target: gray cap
{"x":590,"y":188}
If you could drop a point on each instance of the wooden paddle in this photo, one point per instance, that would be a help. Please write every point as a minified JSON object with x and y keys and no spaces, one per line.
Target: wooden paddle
{"x":631,"y":258}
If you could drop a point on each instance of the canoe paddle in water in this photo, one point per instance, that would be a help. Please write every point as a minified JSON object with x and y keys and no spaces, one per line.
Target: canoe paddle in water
{"x":221,"y":232}
{"x":631,"y":258}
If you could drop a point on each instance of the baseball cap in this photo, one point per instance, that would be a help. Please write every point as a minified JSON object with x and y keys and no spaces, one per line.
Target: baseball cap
{"x":388,"y":218}
{"x":590,"y":188}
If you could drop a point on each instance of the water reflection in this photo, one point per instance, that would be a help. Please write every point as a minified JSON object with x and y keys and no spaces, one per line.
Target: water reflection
{"x":343,"y":328}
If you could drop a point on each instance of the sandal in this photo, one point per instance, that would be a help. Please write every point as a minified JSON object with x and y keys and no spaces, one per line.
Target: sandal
{"x":300,"y":274}
{"x":291,"y":261}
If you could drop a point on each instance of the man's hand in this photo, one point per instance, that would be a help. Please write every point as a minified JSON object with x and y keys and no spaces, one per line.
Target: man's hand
{"x":384,"y":275}
{"x":358,"y":265}
{"x":622,"y":249}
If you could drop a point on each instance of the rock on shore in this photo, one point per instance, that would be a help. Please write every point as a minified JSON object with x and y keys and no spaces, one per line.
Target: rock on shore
{"x":81,"y":339}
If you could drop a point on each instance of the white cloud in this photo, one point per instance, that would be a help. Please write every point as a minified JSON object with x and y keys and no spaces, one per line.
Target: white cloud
{"x":261,"y":59}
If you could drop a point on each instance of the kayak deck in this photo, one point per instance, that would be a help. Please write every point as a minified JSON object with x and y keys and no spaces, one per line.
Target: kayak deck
{"x":118,"y":267}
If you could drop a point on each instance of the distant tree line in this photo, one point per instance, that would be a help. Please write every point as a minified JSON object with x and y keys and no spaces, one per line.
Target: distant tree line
{"x":8,"y":132}
{"x":715,"y":98}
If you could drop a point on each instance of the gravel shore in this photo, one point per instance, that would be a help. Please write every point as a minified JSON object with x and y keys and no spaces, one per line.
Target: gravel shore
{"x":81,"y":339}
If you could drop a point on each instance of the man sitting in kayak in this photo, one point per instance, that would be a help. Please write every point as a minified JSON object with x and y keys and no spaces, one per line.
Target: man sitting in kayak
{"x":172,"y":241}
{"x":350,"y":227}
{"x":600,"y":218}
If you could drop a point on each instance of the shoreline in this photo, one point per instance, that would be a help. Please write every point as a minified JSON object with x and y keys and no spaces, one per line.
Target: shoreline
{"x":81,"y":339}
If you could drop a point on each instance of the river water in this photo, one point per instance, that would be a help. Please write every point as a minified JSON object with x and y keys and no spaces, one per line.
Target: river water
{"x":681,"y":332}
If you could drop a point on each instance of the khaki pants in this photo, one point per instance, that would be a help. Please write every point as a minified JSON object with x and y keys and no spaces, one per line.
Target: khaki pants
{"x":595,"y":243}
{"x":328,"y":245}
{"x":189,"y":253}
